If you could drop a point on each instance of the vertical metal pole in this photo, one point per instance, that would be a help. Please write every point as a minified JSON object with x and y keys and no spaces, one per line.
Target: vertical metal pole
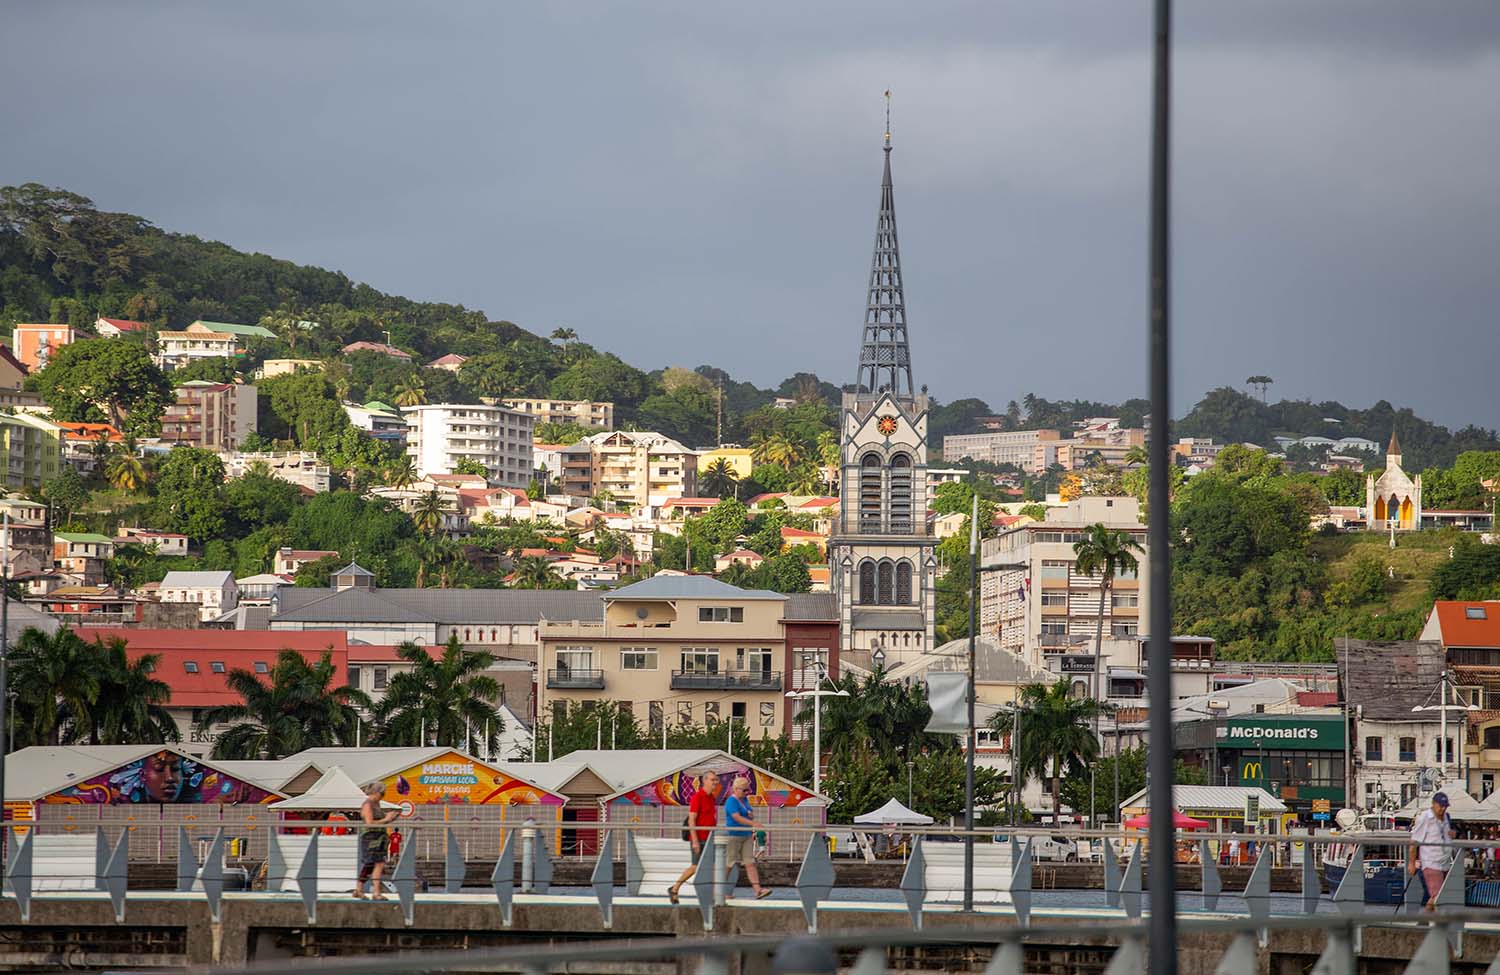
{"x":818,"y":737}
{"x":1163,"y":883}
{"x":5,"y":701}
{"x":1015,"y":766}
{"x":969,"y":744}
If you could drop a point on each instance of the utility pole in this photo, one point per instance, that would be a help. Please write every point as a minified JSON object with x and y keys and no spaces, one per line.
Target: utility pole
{"x":969,"y":743}
{"x":719,"y":414}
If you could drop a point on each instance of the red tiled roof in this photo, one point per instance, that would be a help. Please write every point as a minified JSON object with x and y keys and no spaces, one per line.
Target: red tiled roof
{"x":89,"y":431}
{"x":691,"y":502}
{"x":1317,"y":699}
{"x":744,"y":553}
{"x":1456,"y":629}
{"x":787,"y":531}
{"x":819,"y":502}
{"x":235,"y":649}
{"x":125,"y":325}
{"x":308,"y":554}
{"x":380,"y":347}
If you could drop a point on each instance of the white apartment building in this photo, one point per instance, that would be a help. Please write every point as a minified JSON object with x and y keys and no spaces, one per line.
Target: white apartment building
{"x":300,"y":467}
{"x":1018,"y":447}
{"x":1046,"y":610}
{"x":197,"y":341}
{"x":379,"y":420}
{"x":585,"y":413}
{"x":216,"y":593}
{"x":441,"y":435}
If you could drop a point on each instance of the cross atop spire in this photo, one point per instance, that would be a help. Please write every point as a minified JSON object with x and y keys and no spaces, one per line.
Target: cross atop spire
{"x":884,"y":357}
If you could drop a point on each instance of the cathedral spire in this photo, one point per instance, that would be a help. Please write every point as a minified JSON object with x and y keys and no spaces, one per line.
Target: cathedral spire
{"x":884,"y":357}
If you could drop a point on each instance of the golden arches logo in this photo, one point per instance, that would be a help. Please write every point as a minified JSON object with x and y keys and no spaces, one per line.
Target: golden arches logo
{"x":1252,"y":770}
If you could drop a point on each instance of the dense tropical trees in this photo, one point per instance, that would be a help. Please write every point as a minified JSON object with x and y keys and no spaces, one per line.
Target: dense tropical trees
{"x":412,"y":391}
{"x":95,"y":380}
{"x":298,"y":705}
{"x":71,"y":690}
{"x":535,"y":572}
{"x":451,"y":697}
{"x":57,"y":675}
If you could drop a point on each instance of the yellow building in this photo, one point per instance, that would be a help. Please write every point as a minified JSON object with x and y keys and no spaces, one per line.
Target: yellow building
{"x":738,"y":458}
{"x":33,"y":449}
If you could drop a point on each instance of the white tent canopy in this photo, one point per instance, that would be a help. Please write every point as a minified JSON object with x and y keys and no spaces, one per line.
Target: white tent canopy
{"x":893,"y":813}
{"x":333,"y":792}
{"x":1461,"y":805}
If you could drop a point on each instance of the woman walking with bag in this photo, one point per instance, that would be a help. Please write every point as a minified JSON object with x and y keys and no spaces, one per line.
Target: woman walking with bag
{"x":374,"y":842}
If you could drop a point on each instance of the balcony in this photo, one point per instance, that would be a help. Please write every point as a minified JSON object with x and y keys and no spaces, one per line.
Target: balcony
{"x":574,"y":679}
{"x":726,"y":680}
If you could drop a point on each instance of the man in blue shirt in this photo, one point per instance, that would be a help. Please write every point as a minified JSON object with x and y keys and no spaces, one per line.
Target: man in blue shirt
{"x":740,"y":829}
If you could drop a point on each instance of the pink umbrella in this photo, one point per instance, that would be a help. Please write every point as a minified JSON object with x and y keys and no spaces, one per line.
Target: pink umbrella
{"x":1179,"y":821}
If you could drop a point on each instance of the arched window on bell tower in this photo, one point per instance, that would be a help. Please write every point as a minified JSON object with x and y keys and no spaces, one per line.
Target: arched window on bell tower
{"x":869,"y":493}
{"x":867,"y":583}
{"x":901,"y":495}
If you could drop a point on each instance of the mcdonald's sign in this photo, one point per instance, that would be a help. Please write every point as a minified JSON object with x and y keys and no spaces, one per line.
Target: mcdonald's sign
{"x":1252,"y":771}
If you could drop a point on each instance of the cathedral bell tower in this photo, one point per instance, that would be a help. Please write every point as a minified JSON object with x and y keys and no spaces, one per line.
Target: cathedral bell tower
{"x":881,"y":554}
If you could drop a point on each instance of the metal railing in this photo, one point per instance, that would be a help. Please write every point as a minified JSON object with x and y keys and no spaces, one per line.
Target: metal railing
{"x":717,"y":680}
{"x":575,"y":678}
{"x":315,"y":866}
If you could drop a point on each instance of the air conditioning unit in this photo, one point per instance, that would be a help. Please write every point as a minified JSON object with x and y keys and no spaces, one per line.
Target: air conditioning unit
{"x":1218,"y":704}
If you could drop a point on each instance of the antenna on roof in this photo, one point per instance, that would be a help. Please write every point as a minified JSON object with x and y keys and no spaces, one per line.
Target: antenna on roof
{"x":887,"y":118}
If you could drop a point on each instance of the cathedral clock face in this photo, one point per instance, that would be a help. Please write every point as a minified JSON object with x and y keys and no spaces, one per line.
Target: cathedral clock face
{"x":886,"y":425}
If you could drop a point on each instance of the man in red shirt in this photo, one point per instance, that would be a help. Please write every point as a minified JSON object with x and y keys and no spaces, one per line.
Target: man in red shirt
{"x":703,"y":811}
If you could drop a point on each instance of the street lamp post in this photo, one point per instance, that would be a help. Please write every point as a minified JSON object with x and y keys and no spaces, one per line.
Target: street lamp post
{"x":1442,"y":708}
{"x":909,"y":766}
{"x":817,"y":694}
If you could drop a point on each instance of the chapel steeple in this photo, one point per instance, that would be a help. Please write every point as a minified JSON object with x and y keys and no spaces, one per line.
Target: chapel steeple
{"x":884,"y":356}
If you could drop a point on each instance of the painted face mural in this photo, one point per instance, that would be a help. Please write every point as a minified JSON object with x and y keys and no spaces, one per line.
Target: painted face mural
{"x":677,"y":789}
{"x":165,"y":777}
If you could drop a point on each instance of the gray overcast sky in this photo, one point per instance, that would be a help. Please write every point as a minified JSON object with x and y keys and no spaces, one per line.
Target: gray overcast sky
{"x":696,"y":182}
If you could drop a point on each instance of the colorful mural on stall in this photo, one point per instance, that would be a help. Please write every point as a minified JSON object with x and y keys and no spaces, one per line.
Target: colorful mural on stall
{"x":677,"y":789}
{"x":456,"y":778}
{"x":165,"y":777}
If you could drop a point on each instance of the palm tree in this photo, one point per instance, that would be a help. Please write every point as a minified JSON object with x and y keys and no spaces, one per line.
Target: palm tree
{"x":402,"y":474}
{"x":411,"y":391}
{"x":58,"y":675}
{"x":1105,"y":552}
{"x":828,"y":448}
{"x":429,"y":511}
{"x":132,"y":705}
{"x":806,"y":479}
{"x":297,"y":707}
{"x":719,"y":478}
{"x":124,"y":471}
{"x":1055,"y":725}
{"x":452,"y":697}
{"x":778,"y":449}
{"x":564,"y":335}
{"x":1136,"y":456}
{"x":1263,"y":382}
{"x":535,"y":572}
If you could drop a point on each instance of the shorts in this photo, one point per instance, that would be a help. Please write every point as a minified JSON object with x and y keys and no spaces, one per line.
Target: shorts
{"x":696,"y":852}
{"x":739,"y":849}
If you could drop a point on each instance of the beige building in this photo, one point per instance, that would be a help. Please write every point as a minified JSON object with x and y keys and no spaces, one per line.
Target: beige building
{"x":1047,"y":611}
{"x":585,"y":413}
{"x":1103,"y":438}
{"x":688,"y":650}
{"x":272,"y":368}
{"x":1018,"y":447}
{"x":300,"y":467}
{"x":739,"y":459}
{"x":214,"y":416}
{"x":638,"y":469}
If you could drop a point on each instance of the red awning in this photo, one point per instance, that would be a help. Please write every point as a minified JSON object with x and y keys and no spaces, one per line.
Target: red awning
{"x":1179,"y":821}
